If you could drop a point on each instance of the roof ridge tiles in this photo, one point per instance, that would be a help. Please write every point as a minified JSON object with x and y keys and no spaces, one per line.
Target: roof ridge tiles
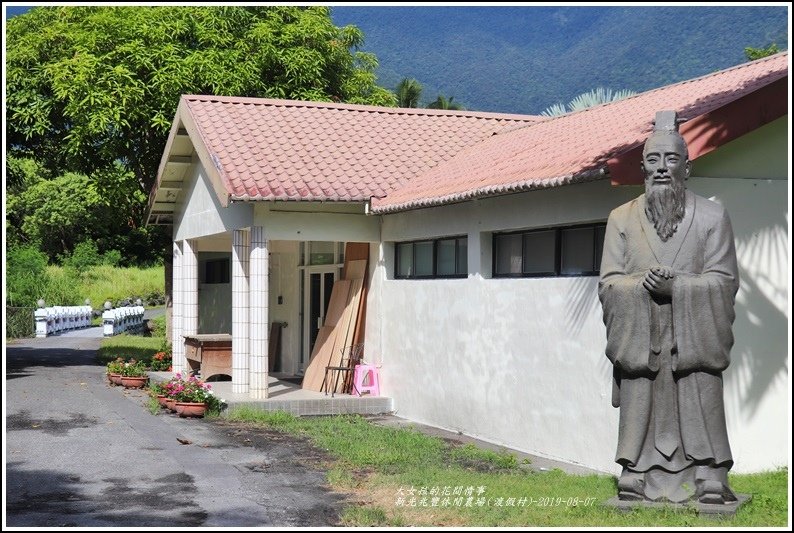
{"x":275,"y":102}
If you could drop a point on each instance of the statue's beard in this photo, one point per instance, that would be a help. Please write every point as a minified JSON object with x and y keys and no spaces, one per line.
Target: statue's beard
{"x":665,"y":207}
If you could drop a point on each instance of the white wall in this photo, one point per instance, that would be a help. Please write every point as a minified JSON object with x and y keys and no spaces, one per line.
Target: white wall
{"x":284,"y":282}
{"x":520,"y":362}
{"x":757,"y":195}
{"x":759,"y":154}
{"x":199,"y":213}
{"x":758,"y":399}
{"x":322,"y":222}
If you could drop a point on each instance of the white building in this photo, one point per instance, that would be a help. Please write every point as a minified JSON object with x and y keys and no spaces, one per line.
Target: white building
{"x":483,"y":234}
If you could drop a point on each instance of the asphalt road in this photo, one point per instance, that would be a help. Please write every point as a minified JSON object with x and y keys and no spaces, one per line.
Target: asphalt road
{"x":80,"y":452}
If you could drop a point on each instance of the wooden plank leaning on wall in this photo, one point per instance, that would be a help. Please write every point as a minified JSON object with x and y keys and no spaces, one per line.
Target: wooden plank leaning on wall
{"x":344,"y":320}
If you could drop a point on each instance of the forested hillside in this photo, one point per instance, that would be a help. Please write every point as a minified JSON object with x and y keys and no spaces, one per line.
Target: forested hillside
{"x":524,"y":59}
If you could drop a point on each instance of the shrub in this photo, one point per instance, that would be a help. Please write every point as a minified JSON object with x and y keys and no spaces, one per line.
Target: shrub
{"x":26,"y":276}
{"x":112,"y":258}
{"x":158,"y":327}
{"x":133,"y":368}
{"x":84,"y":256}
{"x":116,"y":366}
{"x":61,"y":288}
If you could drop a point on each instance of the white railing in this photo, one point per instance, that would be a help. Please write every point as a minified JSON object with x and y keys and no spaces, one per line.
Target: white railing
{"x":56,"y":319}
{"x":122,"y":319}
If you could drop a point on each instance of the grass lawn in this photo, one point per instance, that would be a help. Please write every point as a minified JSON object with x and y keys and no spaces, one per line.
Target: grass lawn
{"x":129,"y":346}
{"x":402,"y":477}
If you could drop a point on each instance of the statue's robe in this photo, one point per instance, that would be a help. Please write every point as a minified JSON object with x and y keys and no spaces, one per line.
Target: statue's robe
{"x":669,"y":356}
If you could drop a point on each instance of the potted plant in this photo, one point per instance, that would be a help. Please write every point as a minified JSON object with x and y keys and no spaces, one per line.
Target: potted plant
{"x":194,"y":398}
{"x":171,"y":388}
{"x":133,"y":375}
{"x":115,"y":369}
{"x":161,"y":361}
{"x":157,"y":390}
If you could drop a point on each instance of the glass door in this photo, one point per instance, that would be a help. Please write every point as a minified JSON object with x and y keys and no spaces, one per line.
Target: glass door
{"x":318,"y":281}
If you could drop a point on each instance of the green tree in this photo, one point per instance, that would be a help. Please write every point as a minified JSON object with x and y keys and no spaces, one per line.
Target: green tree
{"x":91,"y":91}
{"x":591,"y":98}
{"x":757,"y":53}
{"x":442,"y":102}
{"x":408,"y":93}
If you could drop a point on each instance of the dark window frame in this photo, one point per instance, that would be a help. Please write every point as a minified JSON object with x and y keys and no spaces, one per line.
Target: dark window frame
{"x":223,"y":266}
{"x":434,"y":275}
{"x":557,"y":252}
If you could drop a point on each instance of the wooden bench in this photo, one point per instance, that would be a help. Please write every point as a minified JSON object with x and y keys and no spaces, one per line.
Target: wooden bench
{"x":210,"y":354}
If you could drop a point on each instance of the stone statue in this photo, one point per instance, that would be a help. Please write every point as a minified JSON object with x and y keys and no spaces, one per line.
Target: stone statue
{"x":668,"y":283}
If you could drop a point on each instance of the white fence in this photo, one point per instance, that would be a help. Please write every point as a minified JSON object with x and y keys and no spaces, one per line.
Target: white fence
{"x":121,"y":320}
{"x":56,"y":319}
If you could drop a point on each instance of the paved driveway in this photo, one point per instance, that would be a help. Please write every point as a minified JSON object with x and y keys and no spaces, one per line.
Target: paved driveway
{"x":82,"y":453}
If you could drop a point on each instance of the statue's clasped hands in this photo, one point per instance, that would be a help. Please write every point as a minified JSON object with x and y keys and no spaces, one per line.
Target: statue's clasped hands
{"x":659,"y":282}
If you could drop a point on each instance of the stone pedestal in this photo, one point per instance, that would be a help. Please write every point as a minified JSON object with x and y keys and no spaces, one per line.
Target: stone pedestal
{"x":717,"y":510}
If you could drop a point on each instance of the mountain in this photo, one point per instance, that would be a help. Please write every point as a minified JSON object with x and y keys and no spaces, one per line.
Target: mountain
{"x":523,"y":59}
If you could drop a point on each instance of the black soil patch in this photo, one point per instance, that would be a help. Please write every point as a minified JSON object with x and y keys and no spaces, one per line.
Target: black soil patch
{"x":52,"y":426}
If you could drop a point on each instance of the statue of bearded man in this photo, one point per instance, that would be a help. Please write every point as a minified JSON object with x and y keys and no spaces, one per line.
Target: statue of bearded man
{"x":668,"y":282}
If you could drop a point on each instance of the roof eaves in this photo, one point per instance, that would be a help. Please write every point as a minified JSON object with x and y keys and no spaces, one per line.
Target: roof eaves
{"x":209,"y":160}
{"x":161,"y":168}
{"x":307,"y":198}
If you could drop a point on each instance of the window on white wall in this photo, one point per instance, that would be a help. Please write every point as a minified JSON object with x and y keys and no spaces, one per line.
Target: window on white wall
{"x":216,"y":271}
{"x":538,"y":253}
{"x":508,"y":253}
{"x":437,"y":258}
{"x":561,"y":251}
{"x":314,"y":253}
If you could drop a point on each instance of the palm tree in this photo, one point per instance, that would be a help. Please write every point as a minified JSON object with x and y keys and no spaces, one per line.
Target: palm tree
{"x":757,"y":53}
{"x":588,"y":99}
{"x":442,"y":103}
{"x":408,"y":92}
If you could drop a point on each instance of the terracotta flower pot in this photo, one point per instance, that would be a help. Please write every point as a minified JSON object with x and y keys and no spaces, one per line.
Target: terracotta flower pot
{"x":115,"y":378}
{"x":134,"y":382}
{"x":162,"y":399}
{"x":170,"y":403}
{"x":191,"y":409}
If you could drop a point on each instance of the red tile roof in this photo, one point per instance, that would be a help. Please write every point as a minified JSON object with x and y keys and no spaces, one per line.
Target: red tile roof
{"x":290,"y":150}
{"x":574,"y":147}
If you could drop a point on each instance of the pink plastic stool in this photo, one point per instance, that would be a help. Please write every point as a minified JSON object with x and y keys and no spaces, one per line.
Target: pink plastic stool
{"x":360,"y":375}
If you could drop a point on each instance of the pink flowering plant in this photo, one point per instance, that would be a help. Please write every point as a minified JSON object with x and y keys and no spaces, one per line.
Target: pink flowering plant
{"x":192,"y":390}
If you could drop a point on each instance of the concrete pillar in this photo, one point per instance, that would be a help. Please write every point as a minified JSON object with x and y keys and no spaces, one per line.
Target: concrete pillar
{"x":177,"y":342}
{"x":258,"y":314}
{"x":40,"y":315}
{"x":241,"y":246}
{"x":168,"y":267}
{"x":190,"y":287}
{"x":108,"y":321}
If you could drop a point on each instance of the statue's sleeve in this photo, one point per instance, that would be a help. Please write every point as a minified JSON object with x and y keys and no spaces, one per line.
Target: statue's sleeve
{"x":703,"y":303}
{"x":625,"y":304}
